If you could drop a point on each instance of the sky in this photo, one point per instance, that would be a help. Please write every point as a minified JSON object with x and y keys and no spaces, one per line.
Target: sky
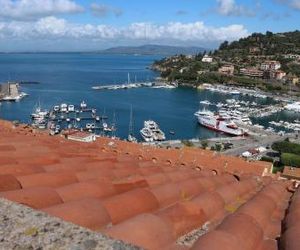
{"x":86,"y":25}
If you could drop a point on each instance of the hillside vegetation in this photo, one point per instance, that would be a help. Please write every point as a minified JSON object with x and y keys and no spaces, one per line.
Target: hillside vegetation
{"x":250,"y":52}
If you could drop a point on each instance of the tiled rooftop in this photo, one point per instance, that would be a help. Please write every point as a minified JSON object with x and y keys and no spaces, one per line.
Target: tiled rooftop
{"x":150,"y":197}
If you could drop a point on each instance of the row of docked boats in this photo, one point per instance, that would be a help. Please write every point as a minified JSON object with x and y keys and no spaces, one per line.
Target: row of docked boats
{"x":151,"y":132}
{"x":235,"y":91}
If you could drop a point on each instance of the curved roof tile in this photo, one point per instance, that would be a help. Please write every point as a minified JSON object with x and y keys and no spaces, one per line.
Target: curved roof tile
{"x":47,"y":179}
{"x":91,"y":189}
{"x":184,"y":217}
{"x":88,"y":212}
{"x":157,"y":179}
{"x":245,"y":229}
{"x":167,"y":194}
{"x":9,"y":182}
{"x":217,"y":240}
{"x":145,"y":230}
{"x":126,"y":205}
{"x":211,"y":203}
{"x":38,"y":197}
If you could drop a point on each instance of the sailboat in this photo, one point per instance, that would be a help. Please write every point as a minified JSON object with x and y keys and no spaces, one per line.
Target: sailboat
{"x":131,"y":137}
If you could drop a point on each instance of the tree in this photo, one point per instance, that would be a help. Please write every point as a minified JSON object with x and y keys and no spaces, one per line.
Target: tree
{"x":224,"y":45}
{"x":204,"y":144}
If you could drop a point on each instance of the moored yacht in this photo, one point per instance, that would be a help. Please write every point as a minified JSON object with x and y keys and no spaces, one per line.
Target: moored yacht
{"x":147,"y":134}
{"x":218,"y":123}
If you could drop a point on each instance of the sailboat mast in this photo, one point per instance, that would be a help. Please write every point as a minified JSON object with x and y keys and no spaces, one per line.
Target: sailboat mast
{"x":131,"y":122}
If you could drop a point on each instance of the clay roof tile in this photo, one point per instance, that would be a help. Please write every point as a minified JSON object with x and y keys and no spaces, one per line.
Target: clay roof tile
{"x":91,"y":189}
{"x":123,"y":206}
{"x":9,"y":182}
{"x":145,"y":230}
{"x":89,"y":213}
{"x":47,"y":179}
{"x":38,"y":197}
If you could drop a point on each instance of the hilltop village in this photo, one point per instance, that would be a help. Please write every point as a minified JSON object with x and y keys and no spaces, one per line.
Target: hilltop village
{"x":268,"y":61}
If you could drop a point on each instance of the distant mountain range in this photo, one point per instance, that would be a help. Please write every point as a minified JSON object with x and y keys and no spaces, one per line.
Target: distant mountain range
{"x":153,"y":50}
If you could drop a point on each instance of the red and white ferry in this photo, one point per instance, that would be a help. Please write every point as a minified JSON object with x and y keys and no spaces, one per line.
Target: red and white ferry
{"x":218,"y":123}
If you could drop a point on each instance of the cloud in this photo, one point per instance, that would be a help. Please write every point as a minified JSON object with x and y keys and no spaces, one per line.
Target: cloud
{"x":34,"y":9}
{"x":231,"y":8}
{"x":181,"y":12}
{"x":102,"y":10}
{"x":294,"y":4}
{"x":59,"y":31}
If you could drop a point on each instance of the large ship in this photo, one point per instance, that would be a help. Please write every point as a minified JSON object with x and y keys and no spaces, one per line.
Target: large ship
{"x":218,"y":123}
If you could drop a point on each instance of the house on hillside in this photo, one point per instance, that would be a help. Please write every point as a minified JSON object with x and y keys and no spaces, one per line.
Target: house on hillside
{"x":227,"y":69}
{"x":207,"y":59}
{"x":291,"y":173}
{"x":270,"y":65}
{"x":252,"y":72}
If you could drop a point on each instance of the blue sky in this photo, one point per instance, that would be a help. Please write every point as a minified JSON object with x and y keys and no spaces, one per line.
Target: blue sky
{"x":96,"y":24}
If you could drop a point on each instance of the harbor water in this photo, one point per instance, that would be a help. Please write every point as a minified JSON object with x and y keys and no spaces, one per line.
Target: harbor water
{"x":69,"y":78}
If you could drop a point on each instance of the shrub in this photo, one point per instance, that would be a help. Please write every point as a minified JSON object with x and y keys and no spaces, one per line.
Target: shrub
{"x":288,"y":159}
{"x":286,"y":147}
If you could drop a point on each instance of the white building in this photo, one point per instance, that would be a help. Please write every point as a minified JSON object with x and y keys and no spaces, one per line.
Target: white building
{"x":293,"y":107}
{"x":207,"y":59}
{"x":270,"y":65}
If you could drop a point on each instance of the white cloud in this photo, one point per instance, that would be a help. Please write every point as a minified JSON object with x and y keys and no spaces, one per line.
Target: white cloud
{"x":32,"y":9}
{"x":295,"y":4}
{"x":102,"y":10}
{"x":57,"y":29}
{"x":231,"y":8}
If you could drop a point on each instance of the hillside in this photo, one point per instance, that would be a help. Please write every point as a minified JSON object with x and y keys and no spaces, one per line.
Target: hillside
{"x":244,"y":59}
{"x":153,"y":50}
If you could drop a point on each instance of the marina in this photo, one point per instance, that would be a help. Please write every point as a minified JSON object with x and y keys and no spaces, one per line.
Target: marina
{"x":172,"y":110}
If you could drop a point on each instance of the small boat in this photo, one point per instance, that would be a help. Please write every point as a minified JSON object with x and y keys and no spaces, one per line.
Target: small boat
{"x":88,"y":126}
{"x":56,"y":108}
{"x":205,"y":102}
{"x":71,"y":108}
{"x":63,"y":107}
{"x":83,"y":105}
{"x":235,"y":92}
{"x":172,"y":132}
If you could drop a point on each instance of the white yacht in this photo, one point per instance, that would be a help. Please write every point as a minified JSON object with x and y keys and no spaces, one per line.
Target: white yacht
{"x":157,"y":133}
{"x":218,"y":123}
{"x":147,"y":134}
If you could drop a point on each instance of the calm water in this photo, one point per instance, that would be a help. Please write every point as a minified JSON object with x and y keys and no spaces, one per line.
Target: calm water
{"x":68,"y":78}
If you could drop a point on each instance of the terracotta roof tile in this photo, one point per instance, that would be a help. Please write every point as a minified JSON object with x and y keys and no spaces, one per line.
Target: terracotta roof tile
{"x":105,"y":174}
{"x":126,"y":205}
{"x":20,"y":169}
{"x":88,"y":212}
{"x":145,"y":230}
{"x":150,"y":196}
{"x":166,"y":194}
{"x":129,"y":183}
{"x":184,"y":217}
{"x":217,"y":240}
{"x":157,"y":179}
{"x":9,"y":182}
{"x":47,"y":179}
{"x":91,"y":189}
{"x":38,"y":197}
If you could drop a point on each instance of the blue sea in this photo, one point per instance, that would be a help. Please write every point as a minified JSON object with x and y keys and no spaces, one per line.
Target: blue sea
{"x":69,"y":77}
